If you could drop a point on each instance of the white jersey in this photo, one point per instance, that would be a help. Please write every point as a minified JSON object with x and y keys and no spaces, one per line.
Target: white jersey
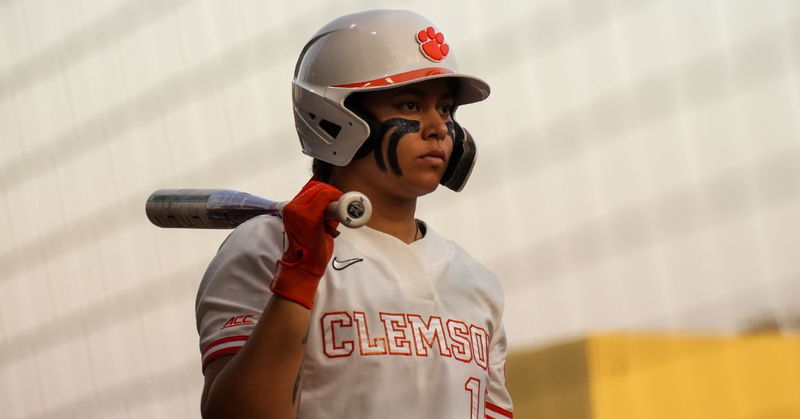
{"x":397,"y":330}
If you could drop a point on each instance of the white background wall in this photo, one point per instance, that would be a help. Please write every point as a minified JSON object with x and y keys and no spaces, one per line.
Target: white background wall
{"x":639,"y":169}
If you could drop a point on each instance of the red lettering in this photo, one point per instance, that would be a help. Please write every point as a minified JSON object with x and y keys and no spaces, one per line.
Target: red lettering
{"x":367,"y":345}
{"x":238,"y":321}
{"x":459,"y":336}
{"x":395,"y":325}
{"x":426,"y":335}
{"x":331,"y":346}
{"x":404,"y":334}
{"x":480,"y":346}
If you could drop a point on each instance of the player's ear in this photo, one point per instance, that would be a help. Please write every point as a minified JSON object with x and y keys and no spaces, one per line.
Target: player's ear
{"x":462,"y":159}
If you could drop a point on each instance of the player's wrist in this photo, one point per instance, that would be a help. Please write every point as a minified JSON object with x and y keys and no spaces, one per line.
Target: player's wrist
{"x":293,"y":298}
{"x":295,"y":283}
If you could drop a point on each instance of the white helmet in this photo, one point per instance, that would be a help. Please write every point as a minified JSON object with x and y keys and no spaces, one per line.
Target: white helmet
{"x":372,"y":50}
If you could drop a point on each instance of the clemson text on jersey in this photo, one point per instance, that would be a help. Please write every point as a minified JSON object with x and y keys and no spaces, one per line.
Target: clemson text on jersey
{"x":404,"y":334}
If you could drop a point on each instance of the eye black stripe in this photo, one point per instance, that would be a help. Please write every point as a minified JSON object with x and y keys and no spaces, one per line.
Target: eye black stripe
{"x":401,"y":128}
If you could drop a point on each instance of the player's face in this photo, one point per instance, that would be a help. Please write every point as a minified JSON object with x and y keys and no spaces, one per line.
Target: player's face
{"x":418,"y":136}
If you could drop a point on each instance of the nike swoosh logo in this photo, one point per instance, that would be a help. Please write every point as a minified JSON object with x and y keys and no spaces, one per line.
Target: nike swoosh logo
{"x":342,"y":264}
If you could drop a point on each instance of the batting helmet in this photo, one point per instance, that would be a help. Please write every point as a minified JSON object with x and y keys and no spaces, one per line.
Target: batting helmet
{"x":367,"y":51}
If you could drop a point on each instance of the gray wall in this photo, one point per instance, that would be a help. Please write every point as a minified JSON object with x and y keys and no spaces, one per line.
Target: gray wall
{"x":639,"y":169}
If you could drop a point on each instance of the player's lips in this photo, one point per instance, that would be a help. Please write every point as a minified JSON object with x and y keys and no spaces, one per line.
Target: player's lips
{"x":434,"y":157}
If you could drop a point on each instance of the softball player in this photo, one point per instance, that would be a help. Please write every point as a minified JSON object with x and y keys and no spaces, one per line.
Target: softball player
{"x":389,"y":320}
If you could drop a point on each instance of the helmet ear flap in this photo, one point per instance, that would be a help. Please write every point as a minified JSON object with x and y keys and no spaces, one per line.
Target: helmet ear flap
{"x":326,"y":131}
{"x":462,"y":160}
{"x":374,"y":139}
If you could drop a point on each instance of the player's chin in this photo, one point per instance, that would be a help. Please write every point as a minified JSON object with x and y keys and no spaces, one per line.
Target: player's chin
{"x":424,"y":182}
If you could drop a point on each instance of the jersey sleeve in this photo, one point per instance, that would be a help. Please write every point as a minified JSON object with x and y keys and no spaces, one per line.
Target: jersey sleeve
{"x":235,"y":287}
{"x":498,"y":401}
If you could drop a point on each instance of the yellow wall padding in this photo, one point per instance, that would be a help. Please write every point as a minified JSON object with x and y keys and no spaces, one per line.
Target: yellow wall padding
{"x":655,"y":376}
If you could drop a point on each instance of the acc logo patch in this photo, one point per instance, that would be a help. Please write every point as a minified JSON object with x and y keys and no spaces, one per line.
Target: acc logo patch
{"x":238,"y":321}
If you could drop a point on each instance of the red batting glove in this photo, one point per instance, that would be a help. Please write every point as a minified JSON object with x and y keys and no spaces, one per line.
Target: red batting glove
{"x":310,"y":243}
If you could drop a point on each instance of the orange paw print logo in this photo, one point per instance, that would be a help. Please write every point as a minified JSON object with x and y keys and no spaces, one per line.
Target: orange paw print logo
{"x":432,"y":44}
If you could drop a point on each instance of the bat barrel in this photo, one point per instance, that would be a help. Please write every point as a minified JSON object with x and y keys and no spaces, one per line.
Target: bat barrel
{"x":205,"y":208}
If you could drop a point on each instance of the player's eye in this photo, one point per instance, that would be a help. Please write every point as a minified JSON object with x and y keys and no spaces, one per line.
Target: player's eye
{"x":409,"y":106}
{"x":446,"y":109}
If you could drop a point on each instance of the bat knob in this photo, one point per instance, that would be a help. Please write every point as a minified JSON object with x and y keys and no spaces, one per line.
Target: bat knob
{"x":353,"y":209}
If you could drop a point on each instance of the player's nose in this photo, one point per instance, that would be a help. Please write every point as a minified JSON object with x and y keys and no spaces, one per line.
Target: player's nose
{"x":434,"y":124}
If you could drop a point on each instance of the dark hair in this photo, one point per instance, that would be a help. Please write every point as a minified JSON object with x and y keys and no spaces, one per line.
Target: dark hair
{"x":322,"y":170}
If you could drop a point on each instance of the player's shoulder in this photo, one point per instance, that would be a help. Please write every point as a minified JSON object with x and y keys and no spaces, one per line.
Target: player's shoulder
{"x":254,"y":233}
{"x":246,"y":253}
{"x":473,"y":276}
{"x":458,"y":255}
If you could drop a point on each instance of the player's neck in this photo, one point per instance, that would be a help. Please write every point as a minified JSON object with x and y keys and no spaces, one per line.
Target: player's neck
{"x":395,"y":219}
{"x":391,"y":214}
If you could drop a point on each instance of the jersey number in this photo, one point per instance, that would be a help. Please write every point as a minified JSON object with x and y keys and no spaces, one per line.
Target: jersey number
{"x":477,"y":396}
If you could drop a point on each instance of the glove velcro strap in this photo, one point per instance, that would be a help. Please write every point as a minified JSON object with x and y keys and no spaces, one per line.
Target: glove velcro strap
{"x":296,"y":284}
